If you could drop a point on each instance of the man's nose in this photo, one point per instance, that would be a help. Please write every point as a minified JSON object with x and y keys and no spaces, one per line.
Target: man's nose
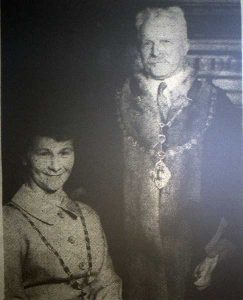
{"x":156,"y":50}
{"x":55,"y":165}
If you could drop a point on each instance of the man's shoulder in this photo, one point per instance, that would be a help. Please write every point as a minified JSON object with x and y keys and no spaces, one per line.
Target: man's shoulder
{"x":124,"y":89}
{"x":206,"y":84}
{"x":223,"y":104}
{"x":135,"y":84}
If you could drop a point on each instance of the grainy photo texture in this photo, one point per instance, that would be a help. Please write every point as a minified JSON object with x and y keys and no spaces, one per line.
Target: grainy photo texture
{"x":121,"y":150}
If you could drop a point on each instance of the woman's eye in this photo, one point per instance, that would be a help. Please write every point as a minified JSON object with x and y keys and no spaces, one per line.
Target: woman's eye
{"x":65,"y":152}
{"x":43,"y":153}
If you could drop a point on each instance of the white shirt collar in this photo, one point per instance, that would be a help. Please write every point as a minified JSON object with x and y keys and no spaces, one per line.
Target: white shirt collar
{"x":175,"y":80}
{"x":172,"y":83}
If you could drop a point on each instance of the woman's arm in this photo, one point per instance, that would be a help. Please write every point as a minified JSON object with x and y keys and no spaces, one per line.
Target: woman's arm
{"x":12,"y":255}
{"x":107,"y":284}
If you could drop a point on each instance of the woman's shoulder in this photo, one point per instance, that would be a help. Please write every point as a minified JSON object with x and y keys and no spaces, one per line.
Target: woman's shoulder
{"x":91,"y":217}
{"x":9,"y":209}
{"x":11,"y":217}
{"x":13,"y":226}
{"x":87,"y":210}
{"x":10,"y":212}
{"x":80,"y":198}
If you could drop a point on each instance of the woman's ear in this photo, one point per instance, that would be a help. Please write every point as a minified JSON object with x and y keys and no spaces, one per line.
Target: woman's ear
{"x":24,"y":158}
{"x":24,"y":161}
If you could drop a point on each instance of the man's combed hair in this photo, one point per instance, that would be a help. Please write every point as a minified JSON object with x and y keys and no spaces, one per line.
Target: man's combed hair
{"x":174,"y":14}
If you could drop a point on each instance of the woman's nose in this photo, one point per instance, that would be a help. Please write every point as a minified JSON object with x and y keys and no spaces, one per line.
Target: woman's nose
{"x":55,"y":165}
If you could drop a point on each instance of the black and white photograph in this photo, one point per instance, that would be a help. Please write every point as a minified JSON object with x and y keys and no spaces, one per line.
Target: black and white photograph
{"x":121,"y":144}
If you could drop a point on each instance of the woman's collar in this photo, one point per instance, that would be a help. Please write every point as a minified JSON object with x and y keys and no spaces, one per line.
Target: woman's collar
{"x":44,"y":207}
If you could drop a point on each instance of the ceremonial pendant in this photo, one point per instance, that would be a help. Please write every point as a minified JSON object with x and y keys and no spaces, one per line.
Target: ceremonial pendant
{"x":161,"y":174}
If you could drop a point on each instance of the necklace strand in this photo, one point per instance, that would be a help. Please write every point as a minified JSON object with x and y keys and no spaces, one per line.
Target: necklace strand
{"x":178,"y":149}
{"x":74,"y":283}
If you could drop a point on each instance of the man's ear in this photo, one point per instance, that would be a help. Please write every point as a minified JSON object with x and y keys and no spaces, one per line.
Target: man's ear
{"x":137,"y":60}
{"x":186,"y":46}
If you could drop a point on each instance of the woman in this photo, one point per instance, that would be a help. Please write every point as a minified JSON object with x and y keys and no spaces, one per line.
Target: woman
{"x":55,"y":248}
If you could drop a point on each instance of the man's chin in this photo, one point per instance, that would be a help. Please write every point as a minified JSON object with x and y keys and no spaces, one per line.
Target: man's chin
{"x":158,"y":73}
{"x":158,"y":76}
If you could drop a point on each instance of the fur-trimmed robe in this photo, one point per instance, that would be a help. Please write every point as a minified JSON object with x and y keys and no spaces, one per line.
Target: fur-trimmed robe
{"x":162,"y":226}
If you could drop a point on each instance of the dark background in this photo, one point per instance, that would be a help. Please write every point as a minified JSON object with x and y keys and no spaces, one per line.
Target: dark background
{"x":67,"y":58}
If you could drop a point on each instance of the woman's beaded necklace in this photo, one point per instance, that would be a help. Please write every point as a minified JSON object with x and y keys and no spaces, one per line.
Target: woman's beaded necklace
{"x":73,"y":282}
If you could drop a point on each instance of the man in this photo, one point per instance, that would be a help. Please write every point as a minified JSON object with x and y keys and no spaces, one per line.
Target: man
{"x":177,"y":134}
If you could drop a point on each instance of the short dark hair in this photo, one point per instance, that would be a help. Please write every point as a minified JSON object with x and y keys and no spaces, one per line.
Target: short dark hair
{"x":55,"y":127}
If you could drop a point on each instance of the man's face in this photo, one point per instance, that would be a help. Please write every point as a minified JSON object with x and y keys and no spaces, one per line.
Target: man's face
{"x":163,"y":48}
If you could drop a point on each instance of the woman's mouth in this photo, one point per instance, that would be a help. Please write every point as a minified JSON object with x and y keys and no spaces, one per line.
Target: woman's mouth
{"x":53,"y":175}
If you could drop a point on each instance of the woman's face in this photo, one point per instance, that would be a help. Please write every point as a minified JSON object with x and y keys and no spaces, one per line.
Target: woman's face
{"x":51,"y":162}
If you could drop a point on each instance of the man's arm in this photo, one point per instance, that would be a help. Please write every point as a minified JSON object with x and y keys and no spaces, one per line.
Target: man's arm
{"x":223,"y":243}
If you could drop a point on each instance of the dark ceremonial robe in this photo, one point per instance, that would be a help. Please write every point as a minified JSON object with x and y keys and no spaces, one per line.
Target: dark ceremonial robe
{"x":167,"y":229}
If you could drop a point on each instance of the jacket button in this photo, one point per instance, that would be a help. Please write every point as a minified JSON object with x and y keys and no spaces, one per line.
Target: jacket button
{"x":81,"y":265}
{"x":71,"y":240}
{"x":60,"y":214}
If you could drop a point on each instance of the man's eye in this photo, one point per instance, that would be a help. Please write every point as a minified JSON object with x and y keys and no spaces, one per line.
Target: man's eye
{"x":165,"y":42}
{"x":146,"y":43}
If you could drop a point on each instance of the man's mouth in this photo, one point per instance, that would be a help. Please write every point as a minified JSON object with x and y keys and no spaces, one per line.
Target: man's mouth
{"x":162,"y":61}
